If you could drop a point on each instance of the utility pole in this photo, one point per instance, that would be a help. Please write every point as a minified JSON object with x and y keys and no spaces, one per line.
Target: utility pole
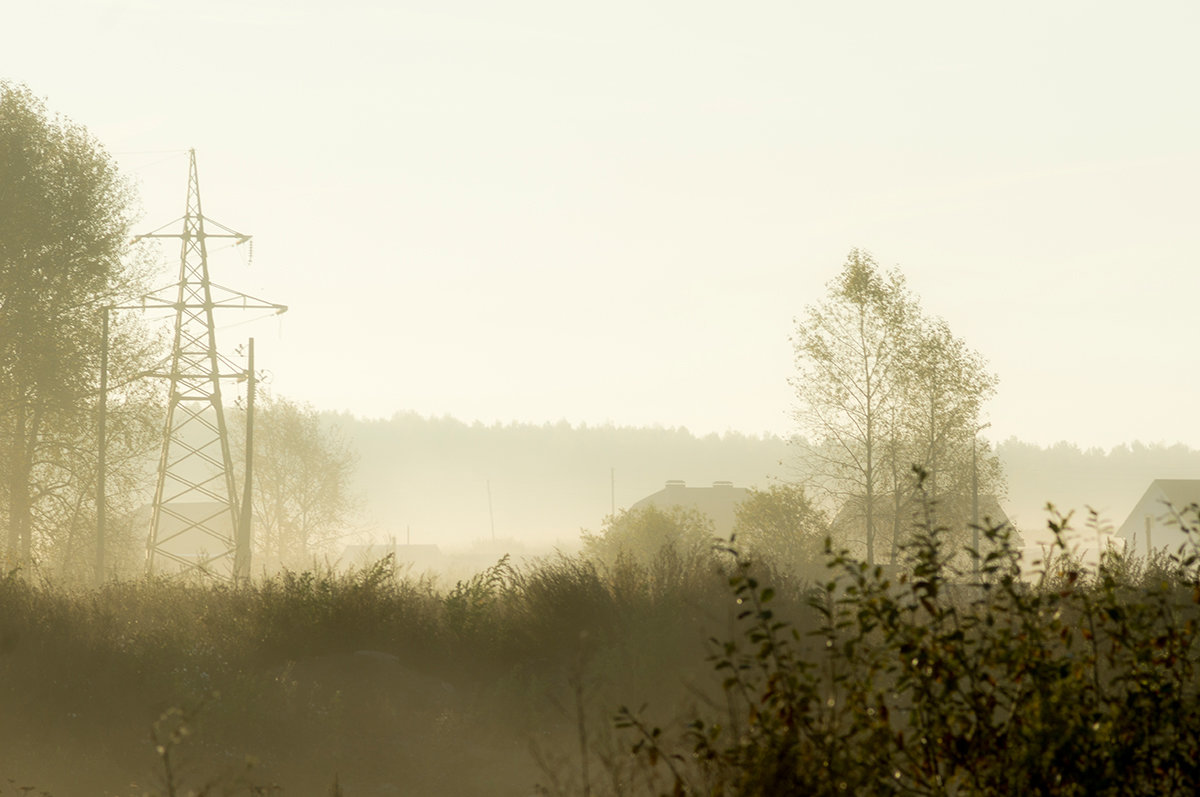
{"x":102,"y":445}
{"x":241,"y":559}
{"x":975,"y":494}
{"x":195,"y":524}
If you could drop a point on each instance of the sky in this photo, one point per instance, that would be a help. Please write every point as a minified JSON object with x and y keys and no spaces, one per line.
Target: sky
{"x":613,"y":213}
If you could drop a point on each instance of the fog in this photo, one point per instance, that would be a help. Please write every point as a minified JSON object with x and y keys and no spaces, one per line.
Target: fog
{"x":575,"y":294}
{"x":613,"y":216}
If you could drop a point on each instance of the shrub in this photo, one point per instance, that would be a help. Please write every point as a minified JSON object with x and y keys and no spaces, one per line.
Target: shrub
{"x":642,"y":534}
{"x":782,"y":530}
{"x":943,"y":682}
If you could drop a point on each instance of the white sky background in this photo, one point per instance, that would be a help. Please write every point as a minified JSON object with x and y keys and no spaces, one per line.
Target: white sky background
{"x":612,"y":212}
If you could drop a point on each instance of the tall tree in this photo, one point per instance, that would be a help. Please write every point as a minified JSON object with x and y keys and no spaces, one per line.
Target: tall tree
{"x":883,"y":387}
{"x":946,"y":387}
{"x":303,"y":471}
{"x":850,"y":353}
{"x":65,"y":214}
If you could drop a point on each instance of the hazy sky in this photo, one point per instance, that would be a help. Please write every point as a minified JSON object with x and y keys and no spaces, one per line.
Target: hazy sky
{"x":613,"y":211}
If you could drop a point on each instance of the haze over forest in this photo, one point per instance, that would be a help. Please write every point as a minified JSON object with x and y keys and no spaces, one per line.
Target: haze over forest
{"x":613,"y":214}
{"x":874,"y":259}
{"x":429,"y":476}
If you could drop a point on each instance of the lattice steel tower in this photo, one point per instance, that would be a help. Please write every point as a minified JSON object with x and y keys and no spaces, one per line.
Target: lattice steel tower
{"x":195,"y":522}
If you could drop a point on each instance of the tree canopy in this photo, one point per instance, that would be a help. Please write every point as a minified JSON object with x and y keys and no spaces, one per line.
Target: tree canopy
{"x":881,"y":388}
{"x":302,"y":499}
{"x":643,"y":533}
{"x":781,"y":527}
{"x":65,"y":214}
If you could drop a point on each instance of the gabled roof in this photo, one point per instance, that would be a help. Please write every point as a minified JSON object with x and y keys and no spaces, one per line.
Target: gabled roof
{"x":1157,"y":508}
{"x":719,"y":502}
{"x":1179,"y":493}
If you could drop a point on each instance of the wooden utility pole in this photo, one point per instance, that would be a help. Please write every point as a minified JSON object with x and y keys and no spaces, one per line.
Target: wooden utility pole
{"x":241,"y":567}
{"x":102,"y":445}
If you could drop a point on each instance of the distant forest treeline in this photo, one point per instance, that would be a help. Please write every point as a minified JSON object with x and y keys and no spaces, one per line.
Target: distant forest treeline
{"x":431,"y":477}
{"x":1110,"y":482}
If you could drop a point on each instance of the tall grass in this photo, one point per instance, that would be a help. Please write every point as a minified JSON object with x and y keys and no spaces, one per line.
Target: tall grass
{"x":923,"y":681}
{"x":377,"y":677}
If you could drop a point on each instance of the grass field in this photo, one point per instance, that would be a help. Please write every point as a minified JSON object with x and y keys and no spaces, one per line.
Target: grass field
{"x":375,"y":682}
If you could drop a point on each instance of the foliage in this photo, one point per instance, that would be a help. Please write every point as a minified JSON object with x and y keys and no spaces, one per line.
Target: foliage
{"x":882,"y":387}
{"x":849,"y":360}
{"x":64,"y":219}
{"x":467,"y":604}
{"x":784,"y":532}
{"x":930,"y":684}
{"x":303,"y":471}
{"x":642,"y":535}
{"x":782,"y":523}
{"x":370,"y":674}
{"x":383,"y":681}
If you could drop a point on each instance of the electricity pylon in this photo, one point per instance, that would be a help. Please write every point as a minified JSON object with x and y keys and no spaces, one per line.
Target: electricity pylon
{"x":195,"y":521}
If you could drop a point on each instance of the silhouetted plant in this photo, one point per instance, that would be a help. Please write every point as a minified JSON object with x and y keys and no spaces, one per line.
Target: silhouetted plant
{"x":938,"y":681}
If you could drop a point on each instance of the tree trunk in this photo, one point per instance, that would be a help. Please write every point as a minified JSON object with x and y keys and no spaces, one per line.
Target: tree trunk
{"x":870,"y":515}
{"x":869,"y":391}
{"x":20,"y":507}
{"x":896,"y":498}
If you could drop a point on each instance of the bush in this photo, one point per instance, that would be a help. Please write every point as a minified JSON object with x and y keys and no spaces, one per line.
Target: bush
{"x":642,"y":535}
{"x":944,"y":682}
{"x":782,"y":530}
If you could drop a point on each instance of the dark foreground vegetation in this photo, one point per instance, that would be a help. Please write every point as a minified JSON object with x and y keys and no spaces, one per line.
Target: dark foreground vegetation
{"x":925,"y":679}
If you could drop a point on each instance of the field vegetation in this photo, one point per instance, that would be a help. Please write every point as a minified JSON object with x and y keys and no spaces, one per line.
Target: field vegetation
{"x":847,"y":639}
{"x":678,"y":669}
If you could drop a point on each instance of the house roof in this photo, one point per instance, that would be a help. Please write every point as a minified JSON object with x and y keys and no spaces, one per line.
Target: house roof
{"x":719,"y":501}
{"x":1179,"y":493}
{"x":1157,"y":508}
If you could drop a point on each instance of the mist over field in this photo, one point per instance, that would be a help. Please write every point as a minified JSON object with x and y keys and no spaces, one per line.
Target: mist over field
{"x":604,"y":400}
{"x":427,"y":478}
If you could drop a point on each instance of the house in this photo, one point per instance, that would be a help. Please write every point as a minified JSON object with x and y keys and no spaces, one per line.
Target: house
{"x":718,"y":502}
{"x":1153,"y":525}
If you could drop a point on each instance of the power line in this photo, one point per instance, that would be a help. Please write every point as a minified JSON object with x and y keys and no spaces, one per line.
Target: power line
{"x":195,"y":524}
